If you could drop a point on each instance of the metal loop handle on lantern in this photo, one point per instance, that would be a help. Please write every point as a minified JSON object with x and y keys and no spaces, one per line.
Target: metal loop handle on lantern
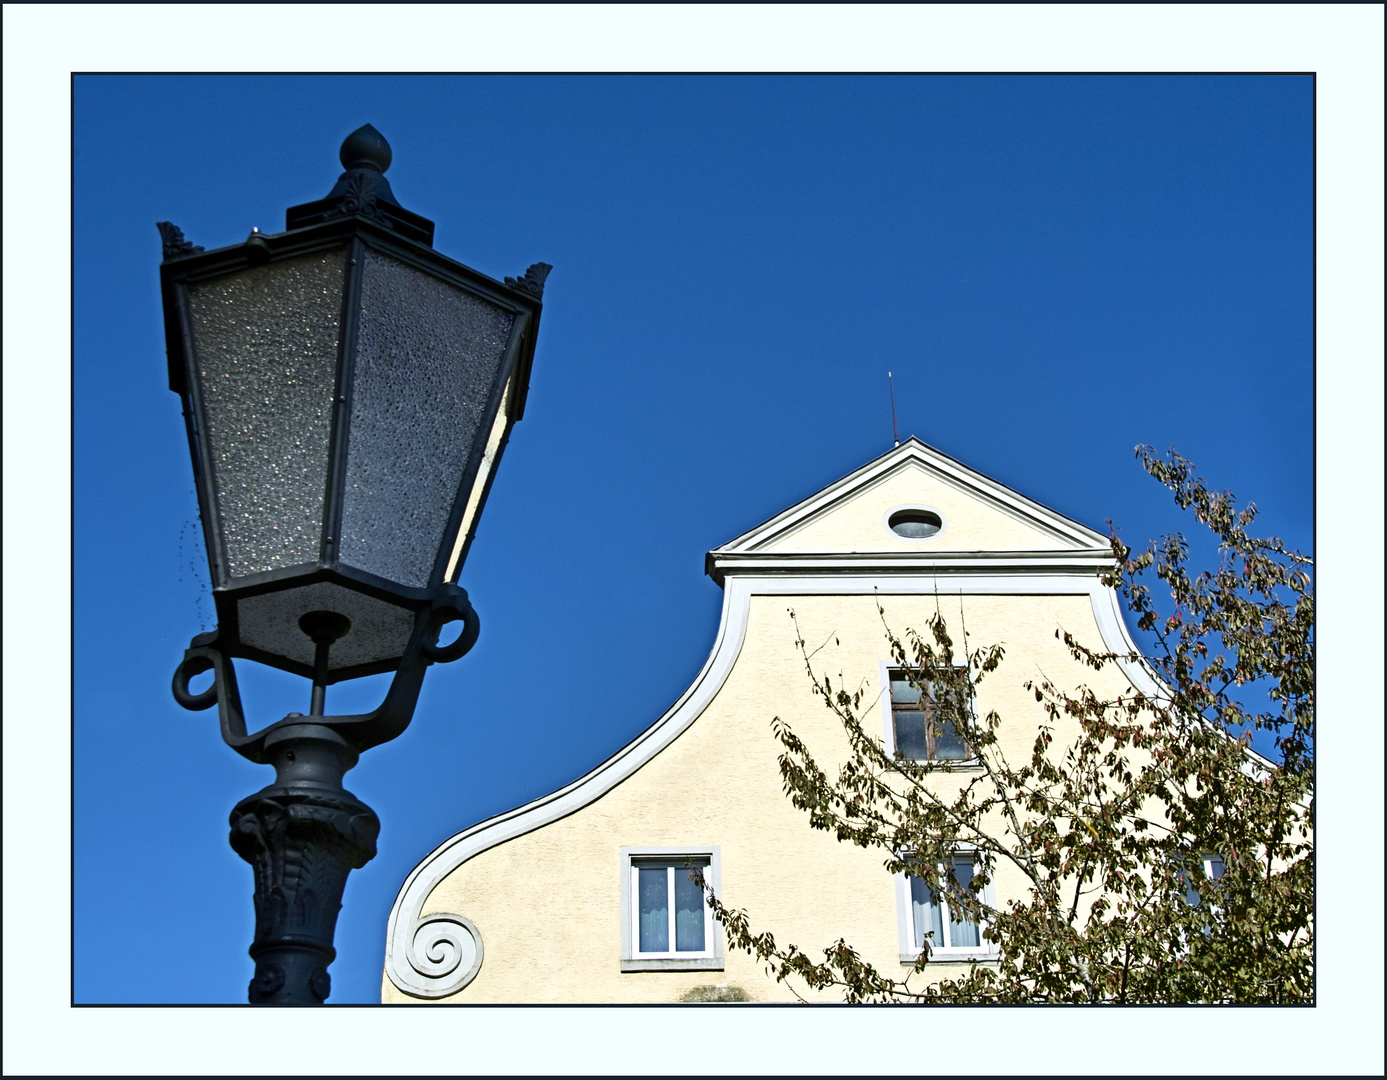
{"x":362,"y":731}
{"x":192,"y":665}
{"x":462,"y":644}
{"x":203,"y":655}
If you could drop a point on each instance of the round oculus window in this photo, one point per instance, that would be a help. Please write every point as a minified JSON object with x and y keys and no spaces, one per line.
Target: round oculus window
{"x":915,"y":524}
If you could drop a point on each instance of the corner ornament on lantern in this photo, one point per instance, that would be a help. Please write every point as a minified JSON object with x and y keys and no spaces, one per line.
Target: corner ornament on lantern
{"x":348,"y":393}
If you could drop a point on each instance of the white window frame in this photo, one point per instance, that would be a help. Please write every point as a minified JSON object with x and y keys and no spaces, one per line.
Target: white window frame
{"x":632,"y":959}
{"x":886,"y":523}
{"x":888,"y":725}
{"x":905,"y":924}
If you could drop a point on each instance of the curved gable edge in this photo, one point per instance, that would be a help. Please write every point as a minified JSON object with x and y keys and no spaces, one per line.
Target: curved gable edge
{"x":421,"y":957}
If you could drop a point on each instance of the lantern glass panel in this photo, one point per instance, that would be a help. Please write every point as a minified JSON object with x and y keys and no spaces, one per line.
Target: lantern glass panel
{"x":427,"y":356}
{"x":265,"y":346}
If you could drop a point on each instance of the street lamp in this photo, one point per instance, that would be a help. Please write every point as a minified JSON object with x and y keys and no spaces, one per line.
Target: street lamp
{"x":348,"y":392}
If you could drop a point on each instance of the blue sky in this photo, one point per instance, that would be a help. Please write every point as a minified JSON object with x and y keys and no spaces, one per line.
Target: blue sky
{"x":735,"y":268}
{"x":1054,"y":268}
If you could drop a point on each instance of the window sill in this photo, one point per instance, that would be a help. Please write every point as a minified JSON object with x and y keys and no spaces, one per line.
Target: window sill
{"x":674,"y":963}
{"x":949,"y":764}
{"x":909,"y":959}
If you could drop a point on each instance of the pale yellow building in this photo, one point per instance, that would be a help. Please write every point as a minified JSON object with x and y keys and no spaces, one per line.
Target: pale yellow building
{"x":580,"y":896}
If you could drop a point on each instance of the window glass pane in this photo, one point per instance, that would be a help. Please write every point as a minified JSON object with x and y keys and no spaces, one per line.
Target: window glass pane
{"x":910,"y":734}
{"x":1213,"y":866}
{"x":688,"y":913}
{"x":963,"y":933}
{"x":948,"y":743}
{"x":266,"y":352}
{"x":902,"y":691}
{"x":915,"y":525}
{"x":924,"y":914}
{"x":653,"y":905}
{"x":1191,"y":893}
{"x":427,"y":354}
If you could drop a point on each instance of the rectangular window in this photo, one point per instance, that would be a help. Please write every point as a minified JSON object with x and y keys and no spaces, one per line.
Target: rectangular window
{"x":928,"y":916}
{"x":918,"y":729}
{"x":1213,"y":870}
{"x":666,"y":923}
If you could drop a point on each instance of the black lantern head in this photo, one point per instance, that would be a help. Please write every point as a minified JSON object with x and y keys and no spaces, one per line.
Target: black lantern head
{"x":348,"y":393}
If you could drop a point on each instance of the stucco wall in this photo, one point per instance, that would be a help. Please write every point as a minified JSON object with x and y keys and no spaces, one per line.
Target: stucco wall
{"x":547,"y":903}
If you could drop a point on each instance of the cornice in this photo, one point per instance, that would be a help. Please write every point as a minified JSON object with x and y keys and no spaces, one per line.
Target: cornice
{"x":719,"y":564}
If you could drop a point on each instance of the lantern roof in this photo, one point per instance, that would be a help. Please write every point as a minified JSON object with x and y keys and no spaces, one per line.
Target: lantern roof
{"x":361,"y":202}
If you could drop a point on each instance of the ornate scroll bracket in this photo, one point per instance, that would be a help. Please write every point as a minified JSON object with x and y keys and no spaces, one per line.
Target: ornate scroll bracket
{"x":441,"y":954}
{"x":533,"y":281}
{"x":175,"y":246}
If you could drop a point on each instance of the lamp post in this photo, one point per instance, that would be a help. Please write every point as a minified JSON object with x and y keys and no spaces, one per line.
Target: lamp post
{"x":348,"y":393}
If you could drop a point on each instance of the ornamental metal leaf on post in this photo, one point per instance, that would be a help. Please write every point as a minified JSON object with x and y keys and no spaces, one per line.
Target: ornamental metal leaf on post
{"x":348,"y":393}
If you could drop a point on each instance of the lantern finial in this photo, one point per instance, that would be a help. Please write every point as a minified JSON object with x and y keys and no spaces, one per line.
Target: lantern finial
{"x":363,"y":191}
{"x":365,"y":148}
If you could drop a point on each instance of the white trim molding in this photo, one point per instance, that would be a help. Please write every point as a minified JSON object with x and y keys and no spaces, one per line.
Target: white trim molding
{"x":1084,"y":561}
{"x":410,"y":969}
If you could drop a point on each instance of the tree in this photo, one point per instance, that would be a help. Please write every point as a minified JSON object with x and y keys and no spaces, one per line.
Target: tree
{"x":1120,"y":830}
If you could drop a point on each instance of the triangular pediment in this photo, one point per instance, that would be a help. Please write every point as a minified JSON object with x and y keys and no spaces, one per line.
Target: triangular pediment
{"x":976,"y":513}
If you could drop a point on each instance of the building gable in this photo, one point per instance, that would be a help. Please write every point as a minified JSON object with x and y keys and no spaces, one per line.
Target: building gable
{"x":977,"y":514}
